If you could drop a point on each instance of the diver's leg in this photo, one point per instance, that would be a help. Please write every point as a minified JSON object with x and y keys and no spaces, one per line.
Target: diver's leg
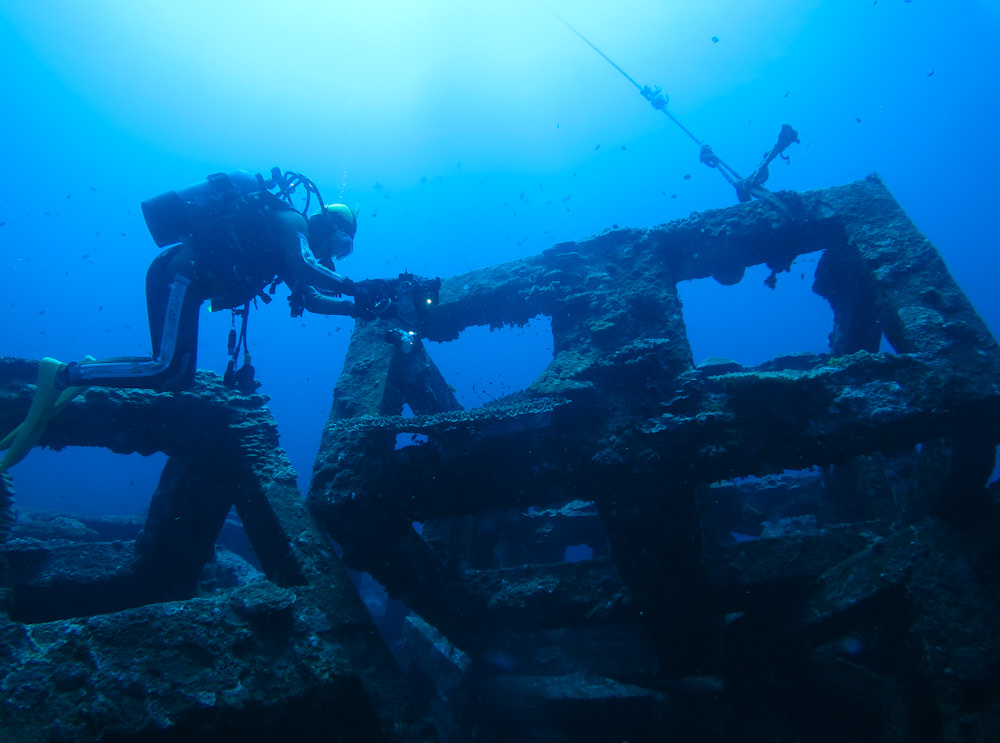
{"x":169,"y":263}
{"x":173,"y":311}
{"x":172,"y":305}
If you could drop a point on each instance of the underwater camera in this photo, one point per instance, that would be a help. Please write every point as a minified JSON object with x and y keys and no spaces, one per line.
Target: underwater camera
{"x":416,"y":298}
{"x":408,"y":298}
{"x":173,"y":216}
{"x":404,"y":340}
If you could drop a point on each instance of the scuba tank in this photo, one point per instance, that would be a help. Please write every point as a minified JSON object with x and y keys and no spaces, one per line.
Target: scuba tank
{"x":173,"y":216}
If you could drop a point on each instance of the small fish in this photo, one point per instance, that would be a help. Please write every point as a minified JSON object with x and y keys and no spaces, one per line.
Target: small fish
{"x":623,"y":147}
{"x":930,"y":74}
{"x":787,"y":92}
{"x":598,"y":147}
{"x":715,"y":39}
{"x":687,"y":176}
{"x":857,"y":119}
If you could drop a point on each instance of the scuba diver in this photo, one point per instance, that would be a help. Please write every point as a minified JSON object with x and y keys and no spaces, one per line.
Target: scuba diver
{"x":225,"y":240}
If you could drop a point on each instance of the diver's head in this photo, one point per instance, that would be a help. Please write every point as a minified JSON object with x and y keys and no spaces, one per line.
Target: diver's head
{"x":331,"y":232}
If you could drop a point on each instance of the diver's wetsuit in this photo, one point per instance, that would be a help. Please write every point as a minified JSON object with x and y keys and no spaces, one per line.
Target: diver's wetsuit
{"x":229,"y":262}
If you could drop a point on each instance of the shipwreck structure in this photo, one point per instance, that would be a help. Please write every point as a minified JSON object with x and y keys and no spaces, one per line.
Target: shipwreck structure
{"x":634,"y":548}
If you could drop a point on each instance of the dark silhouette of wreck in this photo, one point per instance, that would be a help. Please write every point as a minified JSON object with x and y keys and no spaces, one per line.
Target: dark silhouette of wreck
{"x":802,"y":551}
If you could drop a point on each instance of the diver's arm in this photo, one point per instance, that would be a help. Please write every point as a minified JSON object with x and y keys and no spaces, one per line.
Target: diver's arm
{"x":313,"y":301}
{"x":310,"y":281}
{"x":302,"y":268}
{"x":306,"y":270}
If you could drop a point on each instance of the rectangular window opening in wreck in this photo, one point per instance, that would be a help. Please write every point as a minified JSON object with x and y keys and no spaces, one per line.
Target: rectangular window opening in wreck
{"x":746,"y":509}
{"x":51,"y":558}
{"x":485,"y":364}
{"x":105,"y":484}
{"x":548,"y":534}
{"x":751,"y":322}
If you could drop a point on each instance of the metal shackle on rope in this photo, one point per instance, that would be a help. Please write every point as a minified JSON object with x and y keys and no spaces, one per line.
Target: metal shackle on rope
{"x":745,"y":188}
{"x":655,"y":96}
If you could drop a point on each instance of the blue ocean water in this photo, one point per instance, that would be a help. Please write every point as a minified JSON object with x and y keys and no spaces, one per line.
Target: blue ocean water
{"x":468,"y":134}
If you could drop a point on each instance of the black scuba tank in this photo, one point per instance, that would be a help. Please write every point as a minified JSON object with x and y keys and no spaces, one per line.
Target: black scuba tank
{"x":173,"y":216}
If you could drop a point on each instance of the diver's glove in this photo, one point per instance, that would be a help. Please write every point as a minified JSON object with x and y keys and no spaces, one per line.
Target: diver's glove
{"x":371,"y":311}
{"x":321,"y":303}
{"x":46,"y":404}
{"x":373,"y":298}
